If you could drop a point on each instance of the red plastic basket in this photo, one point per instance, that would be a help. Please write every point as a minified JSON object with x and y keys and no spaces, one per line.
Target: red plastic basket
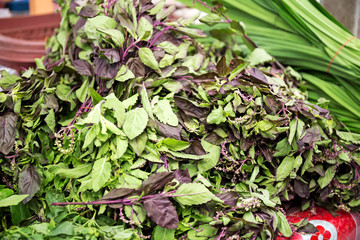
{"x":22,"y":39}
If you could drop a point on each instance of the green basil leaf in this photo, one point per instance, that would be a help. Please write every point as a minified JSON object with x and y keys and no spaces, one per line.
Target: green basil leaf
{"x":100,"y":173}
{"x":193,"y":194}
{"x":148,"y":58}
{"x":135,"y":122}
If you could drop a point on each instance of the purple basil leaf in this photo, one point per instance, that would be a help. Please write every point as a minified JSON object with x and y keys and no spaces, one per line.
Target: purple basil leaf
{"x":56,"y":66}
{"x":181,"y":71}
{"x":195,"y":148}
{"x":214,"y":139}
{"x":352,"y":147}
{"x":221,"y":90}
{"x":222,"y":68}
{"x":118,"y":193}
{"x":312,"y":135}
{"x":51,"y":102}
{"x":159,"y":53}
{"x":308,"y":228}
{"x":189,"y":108}
{"x":79,"y":24}
{"x":321,"y":111}
{"x":234,"y":63}
{"x":29,"y":182}
{"x":266,"y":152}
{"x":324,"y":194}
{"x":235,"y":83}
{"x":7,"y":132}
{"x":156,"y":182}
{"x":113,"y":55}
{"x":162,"y":212}
{"x":163,"y":37}
{"x":104,"y":69}
{"x":169,"y":131}
{"x":136,"y":67}
{"x":257,"y":77}
{"x":83,"y":67}
{"x":272,"y":104}
{"x":229,"y":198}
{"x":182,"y":176}
{"x":301,"y":189}
{"x":89,"y":11}
{"x":207,"y":77}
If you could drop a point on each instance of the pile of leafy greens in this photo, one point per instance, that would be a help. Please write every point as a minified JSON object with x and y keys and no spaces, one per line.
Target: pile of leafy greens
{"x":130,"y":128}
{"x":301,"y":33}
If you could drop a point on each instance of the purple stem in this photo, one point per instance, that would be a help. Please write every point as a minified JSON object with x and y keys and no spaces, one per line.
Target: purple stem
{"x":200,"y":230}
{"x":357,"y":170}
{"x":66,"y":43}
{"x":224,"y":152}
{"x":80,"y":111}
{"x":222,"y":234}
{"x":166,"y":163}
{"x":127,"y":49}
{"x":160,"y":33}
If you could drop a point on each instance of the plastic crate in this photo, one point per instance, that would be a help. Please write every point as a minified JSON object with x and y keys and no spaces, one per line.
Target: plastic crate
{"x":22,"y":39}
{"x":18,"y":6}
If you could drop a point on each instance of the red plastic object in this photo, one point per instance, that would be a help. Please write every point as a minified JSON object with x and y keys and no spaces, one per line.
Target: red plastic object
{"x":345,"y":226}
{"x":22,"y":39}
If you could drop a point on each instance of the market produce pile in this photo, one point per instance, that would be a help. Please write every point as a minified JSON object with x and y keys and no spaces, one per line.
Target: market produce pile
{"x":302,"y":34}
{"x":130,"y":128}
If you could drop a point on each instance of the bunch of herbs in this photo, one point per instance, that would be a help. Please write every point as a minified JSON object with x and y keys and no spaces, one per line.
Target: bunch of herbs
{"x":143,"y":132}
